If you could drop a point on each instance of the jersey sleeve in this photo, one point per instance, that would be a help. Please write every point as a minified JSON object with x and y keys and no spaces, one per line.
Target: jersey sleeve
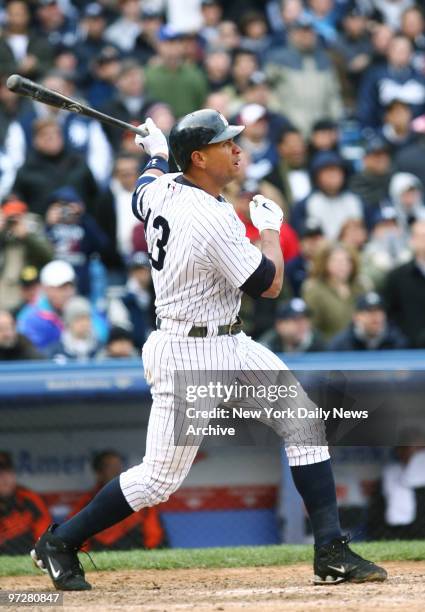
{"x":140,"y":195}
{"x":227,"y":247}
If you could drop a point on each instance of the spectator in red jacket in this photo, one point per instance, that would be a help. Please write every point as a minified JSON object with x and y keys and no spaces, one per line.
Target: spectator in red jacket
{"x":23,"y":514}
{"x":142,"y":529}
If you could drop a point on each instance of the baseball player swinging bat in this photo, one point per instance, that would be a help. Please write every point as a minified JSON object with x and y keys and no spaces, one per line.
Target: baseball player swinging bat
{"x":25,"y":87}
{"x":202,"y":262}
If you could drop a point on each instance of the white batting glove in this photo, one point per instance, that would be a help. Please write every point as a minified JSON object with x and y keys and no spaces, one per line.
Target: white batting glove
{"x":154,"y":143}
{"x":265,"y":214}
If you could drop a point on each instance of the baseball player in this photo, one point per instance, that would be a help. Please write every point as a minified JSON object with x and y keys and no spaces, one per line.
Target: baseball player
{"x":201,"y":264}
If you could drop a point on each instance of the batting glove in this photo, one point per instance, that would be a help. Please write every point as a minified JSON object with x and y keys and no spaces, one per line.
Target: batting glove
{"x":154,"y":143}
{"x":265,"y":214}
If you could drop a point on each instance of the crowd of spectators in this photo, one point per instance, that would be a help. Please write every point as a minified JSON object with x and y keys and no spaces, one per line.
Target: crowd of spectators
{"x":332,"y":93}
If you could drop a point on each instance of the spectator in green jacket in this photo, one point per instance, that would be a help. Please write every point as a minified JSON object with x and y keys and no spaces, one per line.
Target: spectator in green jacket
{"x":171,"y":80}
{"x":333,"y":288}
{"x":21,"y":244}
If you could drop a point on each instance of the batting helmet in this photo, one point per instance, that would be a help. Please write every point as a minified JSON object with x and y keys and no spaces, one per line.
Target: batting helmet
{"x":198,"y":129}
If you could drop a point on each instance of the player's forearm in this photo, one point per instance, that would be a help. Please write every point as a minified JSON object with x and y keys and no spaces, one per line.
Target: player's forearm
{"x":270,"y":247}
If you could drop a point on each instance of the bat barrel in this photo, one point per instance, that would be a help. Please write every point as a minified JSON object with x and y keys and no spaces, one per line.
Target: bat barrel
{"x":14,"y":82}
{"x":25,"y":87}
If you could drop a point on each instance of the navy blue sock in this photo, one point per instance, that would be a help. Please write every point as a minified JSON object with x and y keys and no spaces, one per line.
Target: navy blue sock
{"x":108,"y":507}
{"x":315,"y":483}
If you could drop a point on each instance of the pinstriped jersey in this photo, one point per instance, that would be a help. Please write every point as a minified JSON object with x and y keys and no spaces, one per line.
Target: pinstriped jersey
{"x":199,"y":253}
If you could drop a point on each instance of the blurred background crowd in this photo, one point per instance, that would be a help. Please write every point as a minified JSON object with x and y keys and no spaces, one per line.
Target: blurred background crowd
{"x":332,"y":93}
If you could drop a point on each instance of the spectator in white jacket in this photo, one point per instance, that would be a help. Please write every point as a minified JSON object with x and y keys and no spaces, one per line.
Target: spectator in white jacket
{"x":330,"y":204}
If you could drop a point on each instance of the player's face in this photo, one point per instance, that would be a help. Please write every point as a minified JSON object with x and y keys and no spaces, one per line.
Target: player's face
{"x":223,"y":161}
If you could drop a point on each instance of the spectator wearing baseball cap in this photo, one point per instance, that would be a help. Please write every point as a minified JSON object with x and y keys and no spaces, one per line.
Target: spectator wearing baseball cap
{"x":371,"y":184}
{"x":23,"y":513}
{"x":29,"y":281}
{"x":297,"y":269}
{"x":92,"y":27}
{"x":74,"y":234}
{"x":330,"y":202}
{"x":102,"y":72}
{"x":369,"y":329}
{"x":22,"y":244}
{"x":43,"y":323}
{"x":293,"y":331}
{"x":146,"y":43}
{"x":353,"y":51}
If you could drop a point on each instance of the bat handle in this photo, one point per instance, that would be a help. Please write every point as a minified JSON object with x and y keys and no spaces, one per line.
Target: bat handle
{"x":142,"y":130}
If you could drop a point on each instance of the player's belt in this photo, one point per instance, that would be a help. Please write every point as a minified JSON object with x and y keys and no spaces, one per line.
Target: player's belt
{"x":202,"y":332}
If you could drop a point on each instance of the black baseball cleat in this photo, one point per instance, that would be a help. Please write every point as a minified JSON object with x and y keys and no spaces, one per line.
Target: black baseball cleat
{"x":336,"y":562}
{"x":52,"y":555}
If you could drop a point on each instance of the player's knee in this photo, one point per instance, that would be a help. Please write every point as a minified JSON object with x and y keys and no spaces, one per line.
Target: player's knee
{"x":148,"y":489}
{"x":306,"y":455}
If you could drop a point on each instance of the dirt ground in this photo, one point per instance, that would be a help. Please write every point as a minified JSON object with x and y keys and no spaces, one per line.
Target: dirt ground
{"x":265,"y":589}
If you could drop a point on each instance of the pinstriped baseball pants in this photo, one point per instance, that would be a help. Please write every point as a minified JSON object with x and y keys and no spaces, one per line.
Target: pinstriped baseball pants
{"x":165,"y":464}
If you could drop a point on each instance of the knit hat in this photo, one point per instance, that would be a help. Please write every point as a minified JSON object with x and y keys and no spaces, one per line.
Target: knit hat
{"x":77,"y":307}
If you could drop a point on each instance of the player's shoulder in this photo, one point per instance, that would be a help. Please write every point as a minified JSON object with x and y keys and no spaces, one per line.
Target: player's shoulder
{"x":163,"y":181}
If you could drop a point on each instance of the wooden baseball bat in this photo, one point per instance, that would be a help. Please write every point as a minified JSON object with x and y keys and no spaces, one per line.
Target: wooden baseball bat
{"x":25,"y":87}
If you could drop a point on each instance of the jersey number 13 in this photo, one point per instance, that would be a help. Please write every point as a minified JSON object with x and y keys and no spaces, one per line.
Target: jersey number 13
{"x":158,"y":223}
